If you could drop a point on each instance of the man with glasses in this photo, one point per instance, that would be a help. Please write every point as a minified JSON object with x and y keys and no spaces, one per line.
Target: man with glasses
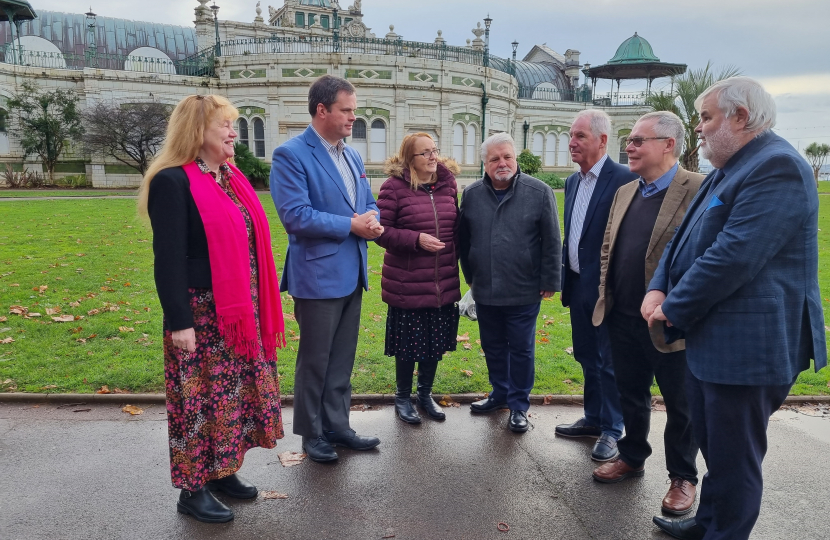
{"x":509,"y":249}
{"x":588,"y":196}
{"x":642,"y":221}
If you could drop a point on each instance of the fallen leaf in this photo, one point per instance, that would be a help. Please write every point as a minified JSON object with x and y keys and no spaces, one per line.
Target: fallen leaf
{"x":14,"y":284}
{"x":104,"y":390}
{"x":464,"y":337}
{"x":42,"y":288}
{"x":92,"y":336}
{"x":4,"y":319}
{"x":29,"y":315}
{"x":125,"y":329}
{"x":77,"y":330}
{"x":49,"y":387}
{"x":7,"y":340}
{"x":119,"y":391}
{"x":53,"y":311}
{"x":81,"y":340}
{"x":133,"y":410}
{"x":18,"y":310}
{"x":92,"y":312}
{"x":446,"y":401}
{"x":548,"y":400}
{"x":74,"y":304}
{"x":569,"y":350}
{"x":127,"y":284}
{"x":468,"y":346}
{"x":273,"y":494}
{"x":568,"y":381}
{"x":289,"y":459}
{"x":64,"y":318}
{"x":467,"y":372}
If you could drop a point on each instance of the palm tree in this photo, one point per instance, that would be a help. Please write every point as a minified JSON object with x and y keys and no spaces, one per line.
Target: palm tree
{"x":817,"y":154}
{"x":681,"y":101}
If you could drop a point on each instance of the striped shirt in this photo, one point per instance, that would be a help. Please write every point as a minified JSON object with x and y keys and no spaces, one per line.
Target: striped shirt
{"x":584,"y":190}
{"x":337,"y":153}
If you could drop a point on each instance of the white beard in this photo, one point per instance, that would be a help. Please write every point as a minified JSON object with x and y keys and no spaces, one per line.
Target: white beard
{"x":720,"y":146}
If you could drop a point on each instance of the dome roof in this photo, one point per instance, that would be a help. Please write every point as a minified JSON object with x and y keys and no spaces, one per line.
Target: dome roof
{"x":531,"y":74}
{"x":634,"y":50}
{"x":318,"y":3}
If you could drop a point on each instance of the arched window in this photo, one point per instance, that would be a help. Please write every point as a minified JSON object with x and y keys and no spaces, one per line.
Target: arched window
{"x":623,"y":154}
{"x":377,"y":152}
{"x":550,"y":149}
{"x":538,"y":144}
{"x":458,"y":143}
{"x":4,"y":118}
{"x":259,"y":137}
{"x":562,"y":157}
{"x":243,"y":132}
{"x":359,"y":138}
{"x":471,"y":145}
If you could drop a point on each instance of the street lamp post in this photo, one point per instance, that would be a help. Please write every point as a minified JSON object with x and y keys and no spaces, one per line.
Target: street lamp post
{"x":215,"y":10}
{"x":526,"y":128}
{"x":515,"y":45}
{"x":484,"y":100}
{"x":92,"y":49}
{"x":335,"y":32}
{"x":487,"y":22}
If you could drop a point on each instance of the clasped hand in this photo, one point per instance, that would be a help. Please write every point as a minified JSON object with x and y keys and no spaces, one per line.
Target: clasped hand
{"x":652,"y":308}
{"x":366,"y":225}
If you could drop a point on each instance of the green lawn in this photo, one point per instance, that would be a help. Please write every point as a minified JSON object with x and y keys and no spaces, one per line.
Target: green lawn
{"x":93,"y":259}
{"x":17,"y":193}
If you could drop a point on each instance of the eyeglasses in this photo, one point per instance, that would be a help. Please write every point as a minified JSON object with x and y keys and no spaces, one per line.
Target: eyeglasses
{"x":429,"y":153}
{"x":638,"y":141}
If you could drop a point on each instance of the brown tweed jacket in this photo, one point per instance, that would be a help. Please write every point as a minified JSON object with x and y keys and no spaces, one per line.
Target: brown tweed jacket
{"x":681,"y":191}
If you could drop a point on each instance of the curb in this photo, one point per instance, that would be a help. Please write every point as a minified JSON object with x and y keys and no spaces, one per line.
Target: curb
{"x":357,"y":399}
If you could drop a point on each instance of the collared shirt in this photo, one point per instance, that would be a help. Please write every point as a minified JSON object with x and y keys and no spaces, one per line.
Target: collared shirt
{"x":337,"y":153}
{"x":225,"y":173}
{"x":584,"y":191}
{"x":647,"y":190}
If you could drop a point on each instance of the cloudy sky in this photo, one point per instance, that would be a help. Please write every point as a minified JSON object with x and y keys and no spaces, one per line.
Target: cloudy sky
{"x":783,"y":43}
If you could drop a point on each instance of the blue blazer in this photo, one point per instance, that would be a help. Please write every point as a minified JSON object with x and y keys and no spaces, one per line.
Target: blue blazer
{"x":324,"y":259}
{"x":741,"y":274}
{"x":611,"y":177}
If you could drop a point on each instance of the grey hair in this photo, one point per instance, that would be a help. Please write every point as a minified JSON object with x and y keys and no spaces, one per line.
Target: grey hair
{"x":667,"y":124}
{"x":496,"y":139}
{"x":746,"y":93}
{"x":600,"y":121}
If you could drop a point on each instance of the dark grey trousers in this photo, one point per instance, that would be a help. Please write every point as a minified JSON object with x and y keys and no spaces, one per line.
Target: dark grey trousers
{"x":322,"y":382}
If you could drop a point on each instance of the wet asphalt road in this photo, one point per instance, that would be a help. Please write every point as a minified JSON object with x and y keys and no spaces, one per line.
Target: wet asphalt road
{"x":104,"y":474}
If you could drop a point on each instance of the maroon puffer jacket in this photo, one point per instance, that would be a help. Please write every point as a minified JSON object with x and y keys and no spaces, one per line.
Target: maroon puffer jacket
{"x":414,"y":278}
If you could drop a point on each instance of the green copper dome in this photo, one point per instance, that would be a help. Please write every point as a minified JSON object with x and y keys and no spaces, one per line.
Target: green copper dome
{"x":318,"y":3}
{"x":634,"y":50}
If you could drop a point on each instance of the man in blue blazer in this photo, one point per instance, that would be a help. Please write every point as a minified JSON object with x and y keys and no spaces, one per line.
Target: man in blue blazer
{"x":588,"y":196}
{"x":325,"y":203}
{"x":739,"y":281}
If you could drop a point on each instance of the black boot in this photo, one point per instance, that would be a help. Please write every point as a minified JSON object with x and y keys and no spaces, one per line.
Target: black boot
{"x":203,"y":506}
{"x":426,"y":376}
{"x":403,"y":394}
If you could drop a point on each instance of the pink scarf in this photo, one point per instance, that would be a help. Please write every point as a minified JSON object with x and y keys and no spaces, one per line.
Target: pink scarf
{"x":227,"y":240}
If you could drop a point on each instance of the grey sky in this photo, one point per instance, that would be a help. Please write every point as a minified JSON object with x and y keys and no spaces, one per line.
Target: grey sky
{"x":782,"y":43}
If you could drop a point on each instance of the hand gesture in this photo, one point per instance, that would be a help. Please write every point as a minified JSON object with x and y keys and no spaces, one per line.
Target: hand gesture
{"x":366,"y":225}
{"x":185,"y":339}
{"x":430,"y":243}
{"x":650,"y":303}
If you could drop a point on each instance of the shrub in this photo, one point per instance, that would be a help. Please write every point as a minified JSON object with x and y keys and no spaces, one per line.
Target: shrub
{"x":22,"y":179}
{"x":75,"y":181}
{"x":251,"y":166}
{"x":551,"y":179}
{"x":529,"y":163}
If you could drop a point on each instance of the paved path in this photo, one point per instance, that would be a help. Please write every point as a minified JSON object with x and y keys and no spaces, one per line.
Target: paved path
{"x":104,"y":474}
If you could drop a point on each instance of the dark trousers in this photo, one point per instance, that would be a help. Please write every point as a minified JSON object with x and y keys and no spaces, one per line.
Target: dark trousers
{"x":508,"y":338}
{"x":592,"y":349}
{"x":636,"y":364}
{"x":730,"y":423}
{"x":322,"y":380}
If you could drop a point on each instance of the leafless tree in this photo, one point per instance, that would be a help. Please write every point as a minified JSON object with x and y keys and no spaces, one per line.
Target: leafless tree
{"x":130,"y":132}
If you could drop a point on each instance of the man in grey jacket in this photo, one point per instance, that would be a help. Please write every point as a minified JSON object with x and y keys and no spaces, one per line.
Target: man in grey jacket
{"x":510,"y":251}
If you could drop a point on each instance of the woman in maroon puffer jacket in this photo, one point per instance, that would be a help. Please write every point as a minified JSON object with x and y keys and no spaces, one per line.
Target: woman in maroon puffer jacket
{"x":419,"y":212}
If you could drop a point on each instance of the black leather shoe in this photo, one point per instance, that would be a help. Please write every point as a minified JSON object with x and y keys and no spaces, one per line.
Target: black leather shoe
{"x":518,"y":421}
{"x":319,"y":450}
{"x":203,"y":506}
{"x":580,"y":428}
{"x":352,"y":440}
{"x":406,"y":411}
{"x":684,"y":529}
{"x":234,"y":486}
{"x":487,"y":405}
{"x":605,"y":449}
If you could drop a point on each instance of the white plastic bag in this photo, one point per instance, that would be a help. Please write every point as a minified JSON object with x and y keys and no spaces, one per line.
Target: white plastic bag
{"x":467,"y":306}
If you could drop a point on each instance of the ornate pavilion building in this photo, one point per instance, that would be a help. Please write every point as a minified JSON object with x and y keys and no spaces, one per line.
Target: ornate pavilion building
{"x":458,"y":94}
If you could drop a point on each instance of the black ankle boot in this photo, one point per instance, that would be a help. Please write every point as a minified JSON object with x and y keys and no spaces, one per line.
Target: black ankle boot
{"x":203,"y":506}
{"x":403,"y":394}
{"x":426,"y":376}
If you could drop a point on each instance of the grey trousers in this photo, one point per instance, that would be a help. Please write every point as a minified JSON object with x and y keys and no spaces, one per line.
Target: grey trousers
{"x":322,"y":383}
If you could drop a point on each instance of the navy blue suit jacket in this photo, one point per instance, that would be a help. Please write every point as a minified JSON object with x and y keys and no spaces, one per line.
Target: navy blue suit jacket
{"x":324,"y":259}
{"x":741,"y":273}
{"x":611,"y":177}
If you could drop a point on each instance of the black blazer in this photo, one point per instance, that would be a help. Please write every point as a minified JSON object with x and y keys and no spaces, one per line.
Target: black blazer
{"x":179,"y":245}
{"x":611,"y":177}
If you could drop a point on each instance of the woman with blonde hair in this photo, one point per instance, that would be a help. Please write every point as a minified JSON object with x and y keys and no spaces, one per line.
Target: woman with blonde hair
{"x":218,"y":288}
{"x":419,"y":213}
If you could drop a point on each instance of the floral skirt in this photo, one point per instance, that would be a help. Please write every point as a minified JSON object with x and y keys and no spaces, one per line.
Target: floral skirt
{"x":219,"y":404}
{"x":416,"y":335}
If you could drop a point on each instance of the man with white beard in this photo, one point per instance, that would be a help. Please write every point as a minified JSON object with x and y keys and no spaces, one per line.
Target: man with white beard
{"x":739,"y":281}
